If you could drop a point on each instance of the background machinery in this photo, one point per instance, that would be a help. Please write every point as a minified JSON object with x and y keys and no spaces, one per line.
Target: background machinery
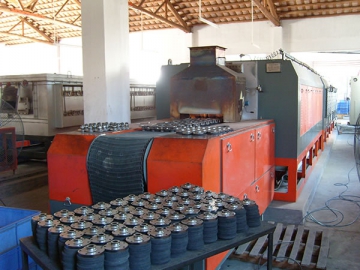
{"x":47,"y":104}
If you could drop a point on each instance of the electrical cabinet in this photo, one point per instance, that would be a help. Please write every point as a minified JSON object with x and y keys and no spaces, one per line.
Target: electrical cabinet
{"x":248,"y":160}
{"x":238,"y":162}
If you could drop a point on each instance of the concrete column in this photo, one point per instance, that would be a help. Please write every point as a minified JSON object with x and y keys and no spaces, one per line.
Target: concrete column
{"x":105,"y":42}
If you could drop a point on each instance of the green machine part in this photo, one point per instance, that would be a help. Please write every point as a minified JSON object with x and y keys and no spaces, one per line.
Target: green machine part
{"x":280,"y":99}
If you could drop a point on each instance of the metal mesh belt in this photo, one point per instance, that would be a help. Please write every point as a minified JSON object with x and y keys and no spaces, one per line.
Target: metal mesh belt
{"x":115,"y":165}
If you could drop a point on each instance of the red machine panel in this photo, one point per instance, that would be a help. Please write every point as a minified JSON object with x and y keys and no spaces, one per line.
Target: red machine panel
{"x":262,"y":191}
{"x":176,"y":161}
{"x":67,"y":168}
{"x":265,"y":149}
{"x":238,"y":162}
{"x":310,"y":107}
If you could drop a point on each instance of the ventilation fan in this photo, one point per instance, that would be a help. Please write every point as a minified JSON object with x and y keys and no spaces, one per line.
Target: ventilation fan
{"x":357,"y":145}
{"x":9,"y":118}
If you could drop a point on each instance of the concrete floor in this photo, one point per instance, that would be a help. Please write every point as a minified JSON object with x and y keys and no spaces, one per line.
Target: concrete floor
{"x":335,"y":168}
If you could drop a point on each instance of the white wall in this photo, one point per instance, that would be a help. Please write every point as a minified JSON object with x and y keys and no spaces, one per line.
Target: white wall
{"x":322,"y":34}
{"x":237,"y":37}
{"x":151,"y":49}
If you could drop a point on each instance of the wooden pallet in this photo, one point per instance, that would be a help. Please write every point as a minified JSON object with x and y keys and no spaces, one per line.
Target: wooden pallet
{"x":293,"y":246}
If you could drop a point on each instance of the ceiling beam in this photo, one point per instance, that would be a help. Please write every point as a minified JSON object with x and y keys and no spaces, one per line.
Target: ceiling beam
{"x":20,"y":4}
{"x":77,"y":2}
{"x":26,"y":38}
{"x":178,"y":17}
{"x":36,"y":16}
{"x":266,"y":13}
{"x":31,"y":5}
{"x":60,"y":9}
{"x":272,"y":9}
{"x":171,"y":23}
{"x":38,"y":30}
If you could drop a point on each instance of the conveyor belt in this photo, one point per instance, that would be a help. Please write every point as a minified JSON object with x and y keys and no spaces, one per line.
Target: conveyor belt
{"x":115,"y":164}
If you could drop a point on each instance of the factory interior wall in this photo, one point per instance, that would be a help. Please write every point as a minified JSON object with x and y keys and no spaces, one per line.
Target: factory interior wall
{"x":149,"y":49}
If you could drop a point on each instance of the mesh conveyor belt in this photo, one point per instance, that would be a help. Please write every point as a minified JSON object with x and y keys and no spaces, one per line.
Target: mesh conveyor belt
{"x":115,"y":165}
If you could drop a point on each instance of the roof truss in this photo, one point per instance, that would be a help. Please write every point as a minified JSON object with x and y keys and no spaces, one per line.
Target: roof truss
{"x":48,"y":21}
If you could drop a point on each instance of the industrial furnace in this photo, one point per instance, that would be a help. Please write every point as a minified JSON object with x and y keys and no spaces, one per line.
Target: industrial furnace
{"x":194,"y":146}
{"x":301,"y":102}
{"x":203,"y":143}
{"x":302,"y":105}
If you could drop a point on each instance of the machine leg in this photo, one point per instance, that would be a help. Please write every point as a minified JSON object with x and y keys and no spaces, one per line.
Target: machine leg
{"x":270,"y":250}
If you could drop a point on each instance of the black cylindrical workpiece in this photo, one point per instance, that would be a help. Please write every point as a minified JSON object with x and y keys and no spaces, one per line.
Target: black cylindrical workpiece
{"x":241,"y":222}
{"x":179,"y":238}
{"x":100,"y":206}
{"x":118,"y":202}
{"x":139,"y":250}
{"x":101,"y":239}
{"x":42,"y":231}
{"x":116,"y":255}
{"x":160,"y":222}
{"x":138,"y":211}
{"x":52,"y":241}
{"x":130,"y":198}
{"x":122,"y":216}
{"x":152,"y":206}
{"x":160,"y":245}
{"x":148,"y":216}
{"x":36,"y":219}
{"x":205,"y":207}
{"x":90,"y":257}
{"x":102,"y":221}
{"x":90,"y":217}
{"x":62,"y":213}
{"x":70,"y":250}
{"x":109,"y":212}
{"x":125,"y":209}
{"x":144,"y":228}
{"x":67,"y":235}
{"x":81,"y":225}
{"x":195,"y":233}
{"x":139,"y":202}
{"x":210,"y":223}
{"x":190,"y":211}
{"x":252,"y":213}
{"x":175,"y":189}
{"x":162,"y":193}
{"x":122,"y":233}
{"x":113,"y":226}
{"x":146,"y":196}
{"x":70,"y":218}
{"x":83,"y":210}
{"x":226,"y":224}
{"x":176,"y":217}
{"x":165,"y":212}
{"x":132,"y":222}
{"x":93,"y":230}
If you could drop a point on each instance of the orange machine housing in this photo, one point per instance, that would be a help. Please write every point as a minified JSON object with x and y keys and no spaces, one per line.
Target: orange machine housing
{"x":237,"y":163}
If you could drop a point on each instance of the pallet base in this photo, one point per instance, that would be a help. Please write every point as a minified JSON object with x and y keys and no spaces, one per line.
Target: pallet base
{"x":293,"y":246}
